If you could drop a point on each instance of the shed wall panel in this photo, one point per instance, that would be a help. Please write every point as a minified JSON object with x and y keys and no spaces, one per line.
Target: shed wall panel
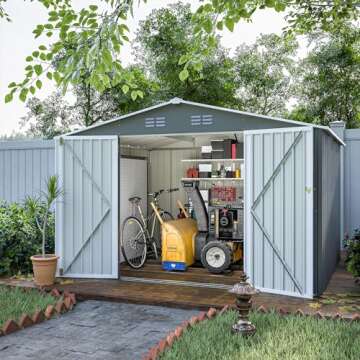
{"x":327,"y":234}
{"x":24,"y":168}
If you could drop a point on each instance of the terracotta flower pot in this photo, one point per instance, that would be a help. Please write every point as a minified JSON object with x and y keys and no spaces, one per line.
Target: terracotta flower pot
{"x":44,"y":269}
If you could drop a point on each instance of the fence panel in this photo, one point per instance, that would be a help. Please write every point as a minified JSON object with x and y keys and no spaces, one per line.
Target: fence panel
{"x":24,"y":167}
{"x":352,"y":181}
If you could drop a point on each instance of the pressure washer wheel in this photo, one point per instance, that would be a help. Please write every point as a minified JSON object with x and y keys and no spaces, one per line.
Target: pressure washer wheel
{"x":216,"y":256}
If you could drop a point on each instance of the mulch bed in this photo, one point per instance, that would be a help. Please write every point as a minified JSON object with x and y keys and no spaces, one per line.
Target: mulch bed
{"x":66,"y":302}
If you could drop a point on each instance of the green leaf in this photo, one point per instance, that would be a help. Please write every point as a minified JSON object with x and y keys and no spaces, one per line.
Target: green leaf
{"x":35,"y":54}
{"x":38,"y":84}
{"x":107,"y":58}
{"x":229,"y":23}
{"x":8,"y":97}
{"x":220,"y":25}
{"x":29,"y":58}
{"x":93,"y":7}
{"x":125,"y":88}
{"x":12,"y":84}
{"x":49,"y":75}
{"x":57,"y":77}
{"x":183,"y":59}
{"x":42,"y":47}
{"x":140,"y":94}
{"x":23,"y":94}
{"x":38,"y":69}
{"x":184,"y":74}
{"x":32,"y":90}
{"x":207,"y":25}
{"x":198,"y":66}
{"x":134,"y":95}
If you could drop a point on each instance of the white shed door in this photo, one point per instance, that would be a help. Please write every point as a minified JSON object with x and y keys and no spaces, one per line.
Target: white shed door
{"x":87,"y":216}
{"x":279,"y":210}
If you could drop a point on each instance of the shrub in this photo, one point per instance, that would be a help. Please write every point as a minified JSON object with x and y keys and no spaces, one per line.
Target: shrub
{"x":20,"y":238}
{"x":353,"y":254}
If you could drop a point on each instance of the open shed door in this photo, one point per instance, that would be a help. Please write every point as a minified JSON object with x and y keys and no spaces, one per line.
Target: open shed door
{"x":279,"y":210}
{"x":87,"y":216}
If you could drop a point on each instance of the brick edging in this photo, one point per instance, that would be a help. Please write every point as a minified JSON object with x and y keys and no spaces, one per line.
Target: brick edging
{"x":66,"y":302}
{"x":168,"y":341}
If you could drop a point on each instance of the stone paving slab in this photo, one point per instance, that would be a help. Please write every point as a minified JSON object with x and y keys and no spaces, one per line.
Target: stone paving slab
{"x":95,"y":330}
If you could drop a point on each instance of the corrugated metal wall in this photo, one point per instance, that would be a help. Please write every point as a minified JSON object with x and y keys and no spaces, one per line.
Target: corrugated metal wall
{"x":87,"y":216}
{"x":327,"y":208}
{"x":166,"y":170}
{"x":352,"y":181}
{"x":24,"y":168}
{"x":278,"y":211}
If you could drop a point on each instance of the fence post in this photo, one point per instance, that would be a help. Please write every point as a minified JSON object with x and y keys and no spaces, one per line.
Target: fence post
{"x":339,"y":129}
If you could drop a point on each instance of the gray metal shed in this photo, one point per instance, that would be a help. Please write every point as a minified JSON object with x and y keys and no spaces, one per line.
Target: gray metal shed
{"x":291,"y":190}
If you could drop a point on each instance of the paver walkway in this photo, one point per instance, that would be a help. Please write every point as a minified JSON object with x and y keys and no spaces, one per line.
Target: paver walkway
{"x":95,"y":330}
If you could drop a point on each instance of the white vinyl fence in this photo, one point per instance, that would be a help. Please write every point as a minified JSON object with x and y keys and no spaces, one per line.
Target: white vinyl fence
{"x":25,"y":166}
{"x":350,"y":180}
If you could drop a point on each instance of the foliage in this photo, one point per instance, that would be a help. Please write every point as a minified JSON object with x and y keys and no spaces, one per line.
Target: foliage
{"x":162,"y":39}
{"x":289,"y":337}
{"x":20,"y":237}
{"x":92,"y":106}
{"x":353,"y":254}
{"x":47,"y":118}
{"x":263,"y":74}
{"x":15,"y":301}
{"x":53,"y":191}
{"x":329,"y":80}
{"x":90,"y":40}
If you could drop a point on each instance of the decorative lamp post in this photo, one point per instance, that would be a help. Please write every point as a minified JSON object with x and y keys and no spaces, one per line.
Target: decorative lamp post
{"x":243,"y":292}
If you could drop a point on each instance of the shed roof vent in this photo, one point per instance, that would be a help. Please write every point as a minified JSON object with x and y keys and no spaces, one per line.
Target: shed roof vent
{"x":159,"y":121}
{"x":197,"y":120}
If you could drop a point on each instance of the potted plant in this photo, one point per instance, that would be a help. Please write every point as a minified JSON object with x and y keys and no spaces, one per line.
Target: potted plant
{"x":44,"y":265}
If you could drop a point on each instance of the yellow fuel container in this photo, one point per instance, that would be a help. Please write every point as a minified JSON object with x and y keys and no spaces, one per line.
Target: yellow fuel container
{"x":178,"y":246}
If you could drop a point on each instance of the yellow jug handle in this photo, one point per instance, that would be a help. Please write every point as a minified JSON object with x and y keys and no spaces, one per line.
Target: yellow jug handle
{"x":157,"y":213}
{"x":181,"y":207}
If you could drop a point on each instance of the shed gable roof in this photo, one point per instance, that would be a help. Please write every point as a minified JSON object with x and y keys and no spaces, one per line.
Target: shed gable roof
{"x":257,"y":120}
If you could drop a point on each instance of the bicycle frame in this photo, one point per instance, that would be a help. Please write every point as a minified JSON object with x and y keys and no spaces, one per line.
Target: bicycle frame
{"x":151,"y":219}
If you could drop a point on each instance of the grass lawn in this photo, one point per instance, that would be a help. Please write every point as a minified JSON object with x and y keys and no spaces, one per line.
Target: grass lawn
{"x":288,"y":337}
{"x":14,"y":302}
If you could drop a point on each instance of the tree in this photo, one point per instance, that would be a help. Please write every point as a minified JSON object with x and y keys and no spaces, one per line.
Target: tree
{"x":162,"y":39}
{"x":98,"y":36}
{"x":329,"y":80}
{"x":263,"y":74}
{"x":47,"y":118}
{"x":92,"y":106}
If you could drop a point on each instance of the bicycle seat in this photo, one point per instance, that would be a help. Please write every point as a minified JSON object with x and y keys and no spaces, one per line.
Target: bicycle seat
{"x":135,"y":199}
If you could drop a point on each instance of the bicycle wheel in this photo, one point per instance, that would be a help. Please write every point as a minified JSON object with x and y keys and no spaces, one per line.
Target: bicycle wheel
{"x":133,"y":242}
{"x":166,"y":216}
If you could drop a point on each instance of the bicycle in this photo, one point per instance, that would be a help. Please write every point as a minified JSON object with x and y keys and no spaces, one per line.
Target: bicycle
{"x":136,"y":237}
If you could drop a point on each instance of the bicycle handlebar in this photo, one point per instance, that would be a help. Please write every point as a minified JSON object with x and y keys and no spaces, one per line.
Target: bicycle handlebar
{"x":157,"y":193}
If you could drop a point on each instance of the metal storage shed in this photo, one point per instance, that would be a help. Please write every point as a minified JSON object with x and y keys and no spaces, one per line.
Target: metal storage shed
{"x":291,"y":192}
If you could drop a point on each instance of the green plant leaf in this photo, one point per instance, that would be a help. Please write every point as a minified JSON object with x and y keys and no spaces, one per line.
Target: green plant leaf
{"x":8,"y":97}
{"x":183,"y":59}
{"x":134,"y":95}
{"x":229,"y":23}
{"x":125,"y":88}
{"x":38,"y":69}
{"x":23,"y":94}
{"x":38,"y":84}
{"x":184,"y":74}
